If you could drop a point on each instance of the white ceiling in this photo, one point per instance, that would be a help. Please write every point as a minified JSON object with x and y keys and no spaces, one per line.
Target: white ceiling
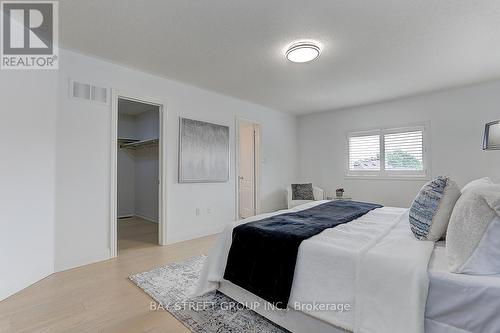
{"x":372,"y":50}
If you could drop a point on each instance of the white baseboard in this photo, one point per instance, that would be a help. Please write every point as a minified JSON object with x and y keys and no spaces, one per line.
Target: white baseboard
{"x":149,"y":219}
{"x":28,"y":278}
{"x":70,"y":263}
{"x":177,"y":238}
{"x":144,"y":217}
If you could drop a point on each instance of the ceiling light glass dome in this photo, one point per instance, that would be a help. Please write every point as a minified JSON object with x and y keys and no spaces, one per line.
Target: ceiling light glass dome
{"x":303,"y":52}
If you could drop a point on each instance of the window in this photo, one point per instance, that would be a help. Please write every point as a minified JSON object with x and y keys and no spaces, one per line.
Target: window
{"x":399,"y":152}
{"x":364,"y":152}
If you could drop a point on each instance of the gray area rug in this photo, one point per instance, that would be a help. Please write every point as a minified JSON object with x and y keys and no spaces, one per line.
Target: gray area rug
{"x":171,"y":287}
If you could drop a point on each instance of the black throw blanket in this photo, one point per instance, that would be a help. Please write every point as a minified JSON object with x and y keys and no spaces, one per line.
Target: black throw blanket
{"x":263,"y":253}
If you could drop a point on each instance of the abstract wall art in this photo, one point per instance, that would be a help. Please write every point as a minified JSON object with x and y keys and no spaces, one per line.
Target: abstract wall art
{"x":203,"y":152}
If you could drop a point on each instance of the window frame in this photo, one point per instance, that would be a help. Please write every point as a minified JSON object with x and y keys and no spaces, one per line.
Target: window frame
{"x":391,"y":174}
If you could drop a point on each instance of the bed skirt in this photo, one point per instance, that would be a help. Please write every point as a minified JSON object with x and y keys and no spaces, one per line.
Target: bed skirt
{"x":292,"y":320}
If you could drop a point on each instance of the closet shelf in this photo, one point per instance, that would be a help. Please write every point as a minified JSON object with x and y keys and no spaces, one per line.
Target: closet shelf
{"x":137,"y":144}
{"x":123,"y":141}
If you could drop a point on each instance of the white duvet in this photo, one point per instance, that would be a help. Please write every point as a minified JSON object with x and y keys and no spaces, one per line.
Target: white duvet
{"x":373,"y":264}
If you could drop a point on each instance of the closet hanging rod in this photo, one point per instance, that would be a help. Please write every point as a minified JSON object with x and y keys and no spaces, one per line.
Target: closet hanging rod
{"x":127,"y":140}
{"x":140,"y":144}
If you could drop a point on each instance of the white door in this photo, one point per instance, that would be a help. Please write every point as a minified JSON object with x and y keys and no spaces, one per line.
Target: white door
{"x":246,"y":170}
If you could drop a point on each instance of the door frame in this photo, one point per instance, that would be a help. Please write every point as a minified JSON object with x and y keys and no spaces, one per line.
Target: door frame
{"x":257,"y":162}
{"x":162,"y":167}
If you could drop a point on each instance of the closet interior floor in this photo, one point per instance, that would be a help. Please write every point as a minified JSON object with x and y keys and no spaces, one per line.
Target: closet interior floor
{"x":136,"y":233}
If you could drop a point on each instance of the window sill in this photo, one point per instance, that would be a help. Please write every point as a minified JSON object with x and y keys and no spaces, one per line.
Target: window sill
{"x":378,"y":177}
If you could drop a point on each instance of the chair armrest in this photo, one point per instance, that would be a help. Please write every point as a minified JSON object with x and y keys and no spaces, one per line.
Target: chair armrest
{"x":318,"y":193}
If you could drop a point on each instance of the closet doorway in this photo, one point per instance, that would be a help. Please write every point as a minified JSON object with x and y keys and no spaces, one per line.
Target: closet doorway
{"x":137,"y":172}
{"x":247,"y":168}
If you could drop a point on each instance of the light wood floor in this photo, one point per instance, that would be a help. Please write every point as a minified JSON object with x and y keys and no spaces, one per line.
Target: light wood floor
{"x":99,"y":297}
{"x":136,"y":233}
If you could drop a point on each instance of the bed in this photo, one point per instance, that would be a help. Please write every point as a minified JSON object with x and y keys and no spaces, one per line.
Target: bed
{"x":385,"y":278}
{"x":459,"y":303}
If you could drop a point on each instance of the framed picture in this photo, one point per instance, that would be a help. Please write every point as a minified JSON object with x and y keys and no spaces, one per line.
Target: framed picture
{"x":203,"y":152}
{"x":492,"y":136}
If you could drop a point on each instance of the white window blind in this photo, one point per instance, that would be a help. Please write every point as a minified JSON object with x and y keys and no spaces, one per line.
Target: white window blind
{"x":364,"y":152}
{"x":388,"y":153}
{"x":404,"y":151}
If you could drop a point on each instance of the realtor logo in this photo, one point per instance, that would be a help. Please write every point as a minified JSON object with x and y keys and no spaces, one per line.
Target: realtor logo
{"x":29,"y":32}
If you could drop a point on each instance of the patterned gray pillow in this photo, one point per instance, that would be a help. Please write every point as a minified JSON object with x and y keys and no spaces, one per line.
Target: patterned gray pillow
{"x":431,"y":209}
{"x":302,"y":192}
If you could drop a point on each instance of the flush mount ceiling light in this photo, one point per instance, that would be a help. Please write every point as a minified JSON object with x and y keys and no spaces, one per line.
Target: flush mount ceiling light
{"x":303,"y":52}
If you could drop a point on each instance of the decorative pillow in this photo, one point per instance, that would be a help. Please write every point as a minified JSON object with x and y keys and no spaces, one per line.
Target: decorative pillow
{"x":302,"y":192}
{"x":431,"y":209}
{"x":485,"y":181}
{"x":472,"y":245}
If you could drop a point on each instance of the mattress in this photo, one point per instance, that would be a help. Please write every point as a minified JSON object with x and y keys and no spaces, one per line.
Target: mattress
{"x":321,"y":290}
{"x":456,"y":303}
{"x":459,"y":303}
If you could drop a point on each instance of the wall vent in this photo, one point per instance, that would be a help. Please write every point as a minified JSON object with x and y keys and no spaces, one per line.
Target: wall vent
{"x":89,"y":92}
{"x":81,"y":90}
{"x":99,"y":94}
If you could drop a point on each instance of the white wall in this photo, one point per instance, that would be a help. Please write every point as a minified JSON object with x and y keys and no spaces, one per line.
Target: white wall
{"x":83,"y":157}
{"x":146,"y":167}
{"x":146,"y":183}
{"x":147,"y":125}
{"x":27,"y":144}
{"x":457,"y":122}
{"x":125,"y":168}
{"x":125,"y":176}
{"x":137,"y":176}
{"x":126,"y":126}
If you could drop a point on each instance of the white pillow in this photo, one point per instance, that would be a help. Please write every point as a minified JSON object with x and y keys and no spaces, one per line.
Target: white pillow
{"x":431,"y":210}
{"x":485,"y":181}
{"x":472,"y":245}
